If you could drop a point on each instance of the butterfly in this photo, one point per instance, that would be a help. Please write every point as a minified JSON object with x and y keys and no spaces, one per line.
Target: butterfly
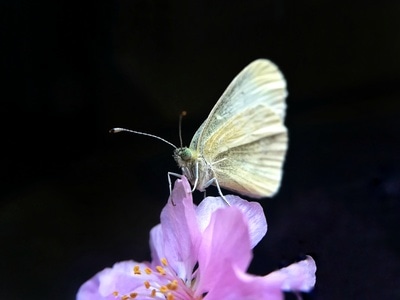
{"x":242,"y":144}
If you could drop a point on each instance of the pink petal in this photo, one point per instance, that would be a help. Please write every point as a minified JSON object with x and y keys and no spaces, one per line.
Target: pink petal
{"x":157,"y":244}
{"x":118,"y":278}
{"x":180,"y":231}
{"x":90,"y":289}
{"x":236,"y":284}
{"x":299,"y":276}
{"x":253,"y":212}
{"x":225,"y":243}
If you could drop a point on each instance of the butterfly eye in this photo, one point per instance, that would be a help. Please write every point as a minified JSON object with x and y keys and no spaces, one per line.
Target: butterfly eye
{"x":184,"y":153}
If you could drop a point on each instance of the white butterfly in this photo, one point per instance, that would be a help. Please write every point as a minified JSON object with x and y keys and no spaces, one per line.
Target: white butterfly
{"x":242,"y":144}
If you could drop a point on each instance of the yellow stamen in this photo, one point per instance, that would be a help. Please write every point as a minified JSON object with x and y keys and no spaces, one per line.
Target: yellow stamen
{"x":125,"y":297}
{"x":173,"y":285}
{"x":153,"y":293}
{"x":147,"y":284}
{"x":170,"y":296}
{"x":161,"y":270}
{"x":164,"y":262}
{"x":133,"y":295}
{"x":148,"y":271}
{"x":136,"y":270}
{"x":115,"y":294}
{"x":163,"y":289}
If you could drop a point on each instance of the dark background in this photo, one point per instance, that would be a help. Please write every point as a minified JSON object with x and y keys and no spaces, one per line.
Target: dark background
{"x":75,"y":199}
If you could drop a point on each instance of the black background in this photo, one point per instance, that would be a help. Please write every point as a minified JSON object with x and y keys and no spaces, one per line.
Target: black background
{"x":76,"y":199}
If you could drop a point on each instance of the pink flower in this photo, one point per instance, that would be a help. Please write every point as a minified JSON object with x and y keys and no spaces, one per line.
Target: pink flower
{"x":200,"y":252}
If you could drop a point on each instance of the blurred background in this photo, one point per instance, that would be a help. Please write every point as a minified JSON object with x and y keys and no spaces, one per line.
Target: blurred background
{"x":74,"y":199}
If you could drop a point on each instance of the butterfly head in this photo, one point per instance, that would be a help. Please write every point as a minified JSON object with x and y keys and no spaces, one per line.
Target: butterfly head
{"x":183,"y":154}
{"x":188,"y":160}
{"x":185,"y":157}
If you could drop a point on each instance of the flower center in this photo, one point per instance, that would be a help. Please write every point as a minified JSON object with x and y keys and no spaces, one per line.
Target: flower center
{"x":158,"y":283}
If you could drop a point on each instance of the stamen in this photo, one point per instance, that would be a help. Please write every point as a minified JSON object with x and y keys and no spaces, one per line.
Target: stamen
{"x":153,"y":293}
{"x":147,"y":284}
{"x":170,"y":296}
{"x":136,"y":270}
{"x":173,"y":285}
{"x":161,"y":270}
{"x":164,"y":262}
{"x":154,"y":286}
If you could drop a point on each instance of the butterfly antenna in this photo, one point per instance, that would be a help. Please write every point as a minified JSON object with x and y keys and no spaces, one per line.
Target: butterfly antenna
{"x":116,"y":130}
{"x":183,"y":113}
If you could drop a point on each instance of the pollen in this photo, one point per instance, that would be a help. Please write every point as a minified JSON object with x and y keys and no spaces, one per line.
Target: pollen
{"x":159,"y":281}
{"x":173,"y":285}
{"x":136,"y":270}
{"x":161,"y":270}
{"x":153,"y":293}
{"x":170,"y":296}
{"x":164,"y":262}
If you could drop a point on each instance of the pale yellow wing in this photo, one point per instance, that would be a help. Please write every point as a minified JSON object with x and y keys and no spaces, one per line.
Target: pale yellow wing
{"x":244,"y":138}
{"x":251,"y":152}
{"x":259,"y":82}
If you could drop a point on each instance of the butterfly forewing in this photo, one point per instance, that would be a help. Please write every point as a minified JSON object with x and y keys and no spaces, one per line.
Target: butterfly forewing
{"x":243,"y":139}
{"x":261,"y":81}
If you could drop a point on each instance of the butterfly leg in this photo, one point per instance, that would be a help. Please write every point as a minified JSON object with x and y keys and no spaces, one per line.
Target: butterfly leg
{"x":170,"y":184}
{"x":214,"y":180}
{"x":196,"y":176}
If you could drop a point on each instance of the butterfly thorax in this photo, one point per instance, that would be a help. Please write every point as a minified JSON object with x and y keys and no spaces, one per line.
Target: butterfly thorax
{"x":194,"y":167}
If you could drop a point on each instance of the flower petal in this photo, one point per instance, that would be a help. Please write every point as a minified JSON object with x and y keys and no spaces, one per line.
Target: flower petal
{"x":236,"y":284}
{"x":180,"y":230}
{"x":156,"y":244}
{"x":120,"y":278}
{"x":253,"y":212}
{"x":225,"y":242}
{"x":299,"y":276}
{"x":90,"y":289}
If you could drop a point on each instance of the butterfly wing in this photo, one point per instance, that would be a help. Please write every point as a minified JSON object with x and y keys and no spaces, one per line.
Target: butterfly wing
{"x":251,"y":153}
{"x":244,"y":138}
